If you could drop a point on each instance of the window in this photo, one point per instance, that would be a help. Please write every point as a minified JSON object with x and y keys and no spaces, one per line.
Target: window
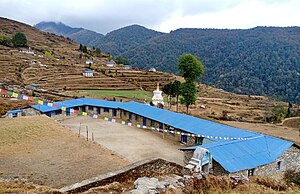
{"x":279,"y":165}
{"x":183,"y":139}
{"x":251,"y":172}
{"x":137,"y":118}
{"x":105,"y":110}
{"x":199,"y":140}
{"x":124,"y":113}
{"x":90,"y":108}
{"x":151,"y":123}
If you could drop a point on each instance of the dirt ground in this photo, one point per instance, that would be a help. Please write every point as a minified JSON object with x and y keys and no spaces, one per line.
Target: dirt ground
{"x":132,"y":143}
{"x":288,"y":133}
{"x":39,"y":150}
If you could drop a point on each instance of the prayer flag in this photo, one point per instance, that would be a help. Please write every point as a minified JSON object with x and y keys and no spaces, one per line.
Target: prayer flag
{"x":14,"y":95}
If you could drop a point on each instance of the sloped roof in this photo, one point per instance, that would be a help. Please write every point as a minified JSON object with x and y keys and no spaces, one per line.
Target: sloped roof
{"x":185,"y":122}
{"x":239,"y":155}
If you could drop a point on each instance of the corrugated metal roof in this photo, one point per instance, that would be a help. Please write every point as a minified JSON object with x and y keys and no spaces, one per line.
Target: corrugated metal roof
{"x":14,"y":111}
{"x":185,"y":122}
{"x":180,"y":121}
{"x":239,"y":155}
{"x":78,"y":102}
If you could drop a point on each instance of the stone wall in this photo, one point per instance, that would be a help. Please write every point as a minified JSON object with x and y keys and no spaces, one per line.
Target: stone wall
{"x":289,"y":160}
{"x":187,"y":156}
{"x":218,"y":169}
{"x":128,"y":174}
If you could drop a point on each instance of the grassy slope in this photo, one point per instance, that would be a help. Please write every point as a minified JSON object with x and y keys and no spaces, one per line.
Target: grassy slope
{"x":130,"y":94}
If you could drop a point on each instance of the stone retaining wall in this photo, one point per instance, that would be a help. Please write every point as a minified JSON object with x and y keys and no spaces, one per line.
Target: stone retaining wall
{"x":130,"y":173}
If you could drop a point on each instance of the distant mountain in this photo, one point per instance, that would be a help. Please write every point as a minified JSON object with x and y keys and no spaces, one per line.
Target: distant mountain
{"x":128,"y":38}
{"x":79,"y":35}
{"x":261,"y":60}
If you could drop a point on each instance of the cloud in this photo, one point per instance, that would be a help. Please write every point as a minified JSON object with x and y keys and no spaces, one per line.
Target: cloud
{"x":165,"y":15}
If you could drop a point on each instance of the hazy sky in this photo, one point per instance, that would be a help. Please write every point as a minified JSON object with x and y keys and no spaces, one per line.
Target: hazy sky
{"x":163,"y":15}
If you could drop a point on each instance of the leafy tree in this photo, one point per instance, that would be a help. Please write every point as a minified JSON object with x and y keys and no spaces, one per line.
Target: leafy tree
{"x":98,"y":50}
{"x":83,"y":48}
{"x":6,"y":41}
{"x":190,"y":67}
{"x":188,"y":92}
{"x":176,"y":91}
{"x":19,"y":40}
{"x":122,"y":60}
{"x":168,"y":90}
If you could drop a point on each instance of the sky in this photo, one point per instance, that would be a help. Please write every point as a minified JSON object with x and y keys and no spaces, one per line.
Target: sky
{"x":104,"y":16}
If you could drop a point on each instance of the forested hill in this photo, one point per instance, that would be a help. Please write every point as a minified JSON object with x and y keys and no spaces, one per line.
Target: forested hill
{"x":261,"y":60}
{"x":124,"y":39}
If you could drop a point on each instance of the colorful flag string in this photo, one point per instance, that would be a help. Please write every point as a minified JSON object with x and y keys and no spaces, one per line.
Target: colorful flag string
{"x":78,"y":112}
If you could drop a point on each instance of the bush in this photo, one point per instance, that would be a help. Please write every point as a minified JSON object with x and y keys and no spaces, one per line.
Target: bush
{"x":5,"y":41}
{"x":291,"y":176}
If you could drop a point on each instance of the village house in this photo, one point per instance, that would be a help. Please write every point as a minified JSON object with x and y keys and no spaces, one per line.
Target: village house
{"x":89,"y":62}
{"x":110,"y":64}
{"x":87,"y":73}
{"x":234,"y":151}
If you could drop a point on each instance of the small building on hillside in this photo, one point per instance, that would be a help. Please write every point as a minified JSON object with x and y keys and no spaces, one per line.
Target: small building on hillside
{"x":89,"y":62}
{"x":13,"y":113}
{"x":152,"y":69}
{"x":110,"y":64}
{"x":87,"y":73}
{"x":127,"y":67}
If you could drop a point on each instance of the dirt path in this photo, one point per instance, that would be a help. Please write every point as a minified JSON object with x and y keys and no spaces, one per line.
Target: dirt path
{"x":43,"y":152}
{"x":132,"y":143}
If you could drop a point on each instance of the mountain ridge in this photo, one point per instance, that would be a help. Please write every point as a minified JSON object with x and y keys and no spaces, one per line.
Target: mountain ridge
{"x":260,"y":60}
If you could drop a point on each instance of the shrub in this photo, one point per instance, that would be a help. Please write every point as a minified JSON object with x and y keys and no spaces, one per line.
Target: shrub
{"x":291,"y":176}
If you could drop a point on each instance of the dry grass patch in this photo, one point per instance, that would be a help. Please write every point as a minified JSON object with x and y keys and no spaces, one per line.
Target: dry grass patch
{"x":41,"y":151}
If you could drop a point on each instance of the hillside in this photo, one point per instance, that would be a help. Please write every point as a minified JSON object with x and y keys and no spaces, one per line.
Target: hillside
{"x":124,"y":39}
{"x":259,"y":61}
{"x":80,"y":35}
{"x":262,"y":61}
{"x":61,"y":69}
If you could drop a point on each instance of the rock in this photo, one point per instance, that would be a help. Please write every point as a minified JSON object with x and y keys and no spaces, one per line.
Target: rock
{"x":135,"y":191}
{"x":152,"y":192}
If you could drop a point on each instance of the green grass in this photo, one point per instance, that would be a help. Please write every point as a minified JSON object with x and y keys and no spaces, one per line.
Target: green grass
{"x":130,"y":94}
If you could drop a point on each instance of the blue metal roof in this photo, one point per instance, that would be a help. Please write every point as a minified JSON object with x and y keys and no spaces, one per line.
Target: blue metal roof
{"x":78,"y":102}
{"x":239,"y":155}
{"x":180,"y":121}
{"x":185,"y":122}
{"x":13,"y":111}
{"x":87,"y":71}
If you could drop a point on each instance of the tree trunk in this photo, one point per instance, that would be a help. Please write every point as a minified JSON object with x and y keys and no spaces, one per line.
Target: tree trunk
{"x":187,"y":109}
{"x":170,"y":102}
{"x":177,"y":103}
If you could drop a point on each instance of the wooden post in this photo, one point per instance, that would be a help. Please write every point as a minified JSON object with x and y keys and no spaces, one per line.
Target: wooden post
{"x":79,"y":130}
{"x":87,"y":133}
{"x":92,"y":136}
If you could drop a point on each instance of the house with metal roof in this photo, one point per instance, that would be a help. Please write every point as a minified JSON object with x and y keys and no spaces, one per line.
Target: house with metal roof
{"x":233,"y":150}
{"x":87,"y":73}
{"x":259,"y":155}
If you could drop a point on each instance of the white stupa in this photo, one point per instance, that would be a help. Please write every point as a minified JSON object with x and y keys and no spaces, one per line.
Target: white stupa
{"x":157,"y":97}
